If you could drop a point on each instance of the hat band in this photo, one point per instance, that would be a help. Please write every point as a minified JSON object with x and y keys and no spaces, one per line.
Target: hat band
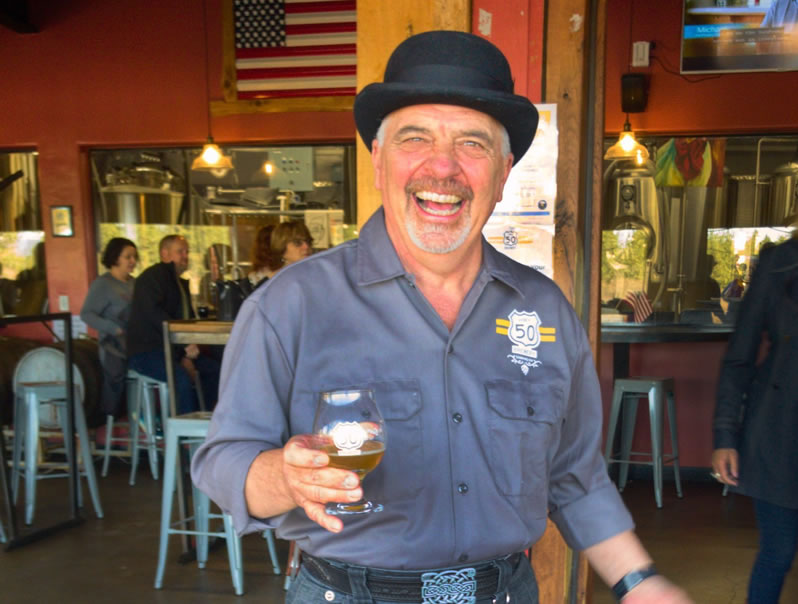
{"x":450,"y":75}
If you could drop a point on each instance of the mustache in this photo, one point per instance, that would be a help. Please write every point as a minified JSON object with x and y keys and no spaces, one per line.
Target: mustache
{"x":446,"y":186}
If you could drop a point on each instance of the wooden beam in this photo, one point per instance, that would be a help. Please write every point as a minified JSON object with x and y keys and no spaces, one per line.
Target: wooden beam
{"x":381,"y":26}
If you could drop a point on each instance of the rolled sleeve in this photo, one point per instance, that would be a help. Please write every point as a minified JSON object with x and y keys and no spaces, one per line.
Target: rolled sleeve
{"x":583,"y":502}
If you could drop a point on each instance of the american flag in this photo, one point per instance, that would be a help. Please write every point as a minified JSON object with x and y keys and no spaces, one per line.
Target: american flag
{"x":641,"y":307}
{"x":292,"y":48}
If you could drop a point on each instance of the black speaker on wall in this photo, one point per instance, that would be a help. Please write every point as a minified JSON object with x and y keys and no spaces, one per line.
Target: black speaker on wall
{"x":633,"y":92}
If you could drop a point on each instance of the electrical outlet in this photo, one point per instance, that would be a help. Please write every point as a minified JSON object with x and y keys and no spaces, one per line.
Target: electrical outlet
{"x":640,"y":52}
{"x":63,"y":303}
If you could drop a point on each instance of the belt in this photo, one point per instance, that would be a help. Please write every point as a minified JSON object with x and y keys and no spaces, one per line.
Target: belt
{"x":412,"y":586}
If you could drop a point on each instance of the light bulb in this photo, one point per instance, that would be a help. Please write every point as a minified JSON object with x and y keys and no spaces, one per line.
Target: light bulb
{"x":211,"y":155}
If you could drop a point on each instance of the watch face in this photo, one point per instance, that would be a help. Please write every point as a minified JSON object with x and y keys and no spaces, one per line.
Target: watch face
{"x":627,"y":192}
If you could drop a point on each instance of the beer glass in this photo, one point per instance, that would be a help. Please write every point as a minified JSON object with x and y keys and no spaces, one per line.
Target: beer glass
{"x":350,"y":430}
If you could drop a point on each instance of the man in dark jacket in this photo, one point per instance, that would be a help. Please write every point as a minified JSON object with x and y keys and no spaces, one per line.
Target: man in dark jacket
{"x":161,"y":295}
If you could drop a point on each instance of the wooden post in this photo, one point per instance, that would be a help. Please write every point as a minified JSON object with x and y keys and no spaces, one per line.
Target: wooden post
{"x":381,"y":26}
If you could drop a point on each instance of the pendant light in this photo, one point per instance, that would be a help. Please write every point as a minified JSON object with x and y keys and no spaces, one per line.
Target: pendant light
{"x":627,"y":146}
{"x":211,"y":158}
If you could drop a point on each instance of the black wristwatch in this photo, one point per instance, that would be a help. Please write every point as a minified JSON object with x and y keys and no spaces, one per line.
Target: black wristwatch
{"x":630,"y":580}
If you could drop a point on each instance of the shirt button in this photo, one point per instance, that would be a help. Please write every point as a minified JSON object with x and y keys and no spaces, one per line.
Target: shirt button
{"x":463,"y":558}
{"x":530,"y":411}
{"x":451,"y":348}
{"x":457,"y":418}
{"x":462,"y":488}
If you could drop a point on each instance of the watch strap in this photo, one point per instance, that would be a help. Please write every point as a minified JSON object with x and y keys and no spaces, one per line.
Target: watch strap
{"x":631,"y":579}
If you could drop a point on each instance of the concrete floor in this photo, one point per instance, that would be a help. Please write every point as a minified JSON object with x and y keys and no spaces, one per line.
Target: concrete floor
{"x":704,"y":542}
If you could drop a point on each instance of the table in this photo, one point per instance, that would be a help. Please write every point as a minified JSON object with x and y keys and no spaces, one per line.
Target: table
{"x":14,"y":540}
{"x":189,"y":331}
{"x":621,"y":335}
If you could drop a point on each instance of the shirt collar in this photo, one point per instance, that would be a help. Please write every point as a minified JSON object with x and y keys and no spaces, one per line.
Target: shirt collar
{"x":377,"y":259}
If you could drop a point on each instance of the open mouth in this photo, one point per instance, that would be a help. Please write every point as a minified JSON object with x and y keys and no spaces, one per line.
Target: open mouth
{"x":438,"y":204}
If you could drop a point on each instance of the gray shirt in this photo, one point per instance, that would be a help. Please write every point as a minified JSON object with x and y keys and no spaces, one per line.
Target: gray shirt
{"x":107,"y":305}
{"x":490,"y":427}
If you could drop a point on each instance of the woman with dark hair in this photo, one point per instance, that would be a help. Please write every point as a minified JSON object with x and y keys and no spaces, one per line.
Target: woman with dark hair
{"x":106,"y":309}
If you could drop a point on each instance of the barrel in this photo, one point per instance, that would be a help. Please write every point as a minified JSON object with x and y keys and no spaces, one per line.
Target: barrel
{"x":46,"y":364}
{"x":11,"y":351}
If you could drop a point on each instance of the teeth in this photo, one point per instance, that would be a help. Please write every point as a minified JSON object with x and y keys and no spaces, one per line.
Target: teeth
{"x":437,"y":197}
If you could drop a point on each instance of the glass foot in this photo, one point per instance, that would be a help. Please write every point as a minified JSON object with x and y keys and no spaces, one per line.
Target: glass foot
{"x":359,"y":507}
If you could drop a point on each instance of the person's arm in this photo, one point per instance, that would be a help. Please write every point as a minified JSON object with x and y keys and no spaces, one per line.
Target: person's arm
{"x":623,"y":556}
{"x":95,"y":305}
{"x":248,"y":464}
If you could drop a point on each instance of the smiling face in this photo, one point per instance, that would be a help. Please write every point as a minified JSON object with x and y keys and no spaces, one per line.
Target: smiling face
{"x":441,"y":170}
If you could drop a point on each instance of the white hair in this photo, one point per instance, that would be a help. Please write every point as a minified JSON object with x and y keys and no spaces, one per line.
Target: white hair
{"x":380,"y":136}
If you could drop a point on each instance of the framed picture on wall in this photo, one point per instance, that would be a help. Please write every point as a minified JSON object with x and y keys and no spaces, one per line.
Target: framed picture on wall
{"x":61,"y":217}
{"x":739,"y":35}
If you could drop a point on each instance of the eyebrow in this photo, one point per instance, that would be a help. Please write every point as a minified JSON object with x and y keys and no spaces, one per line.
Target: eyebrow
{"x":411,"y":129}
{"x":477,"y":133}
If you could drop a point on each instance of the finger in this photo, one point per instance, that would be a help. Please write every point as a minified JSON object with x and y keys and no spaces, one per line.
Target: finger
{"x":733,"y":469}
{"x":299,"y":451}
{"x":316,"y":512}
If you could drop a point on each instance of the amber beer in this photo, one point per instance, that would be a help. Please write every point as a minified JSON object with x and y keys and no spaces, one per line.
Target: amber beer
{"x":360,"y":463}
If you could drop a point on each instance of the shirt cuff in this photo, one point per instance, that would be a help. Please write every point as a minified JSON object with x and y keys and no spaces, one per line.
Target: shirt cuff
{"x":591,"y":519}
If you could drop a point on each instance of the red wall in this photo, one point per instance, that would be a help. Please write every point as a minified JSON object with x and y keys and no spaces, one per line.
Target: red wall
{"x":694,"y":104}
{"x":119,"y":73}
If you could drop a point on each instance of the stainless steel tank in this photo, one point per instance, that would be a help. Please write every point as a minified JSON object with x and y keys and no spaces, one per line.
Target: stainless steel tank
{"x":631,"y":202}
{"x":783,"y":202}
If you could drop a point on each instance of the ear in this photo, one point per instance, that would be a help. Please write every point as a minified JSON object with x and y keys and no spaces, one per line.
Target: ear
{"x":376,"y":155}
{"x":508,"y":165}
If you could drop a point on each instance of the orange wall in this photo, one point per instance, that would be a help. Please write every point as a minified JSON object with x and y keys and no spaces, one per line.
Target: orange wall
{"x":707,"y":104}
{"x":119,"y":73}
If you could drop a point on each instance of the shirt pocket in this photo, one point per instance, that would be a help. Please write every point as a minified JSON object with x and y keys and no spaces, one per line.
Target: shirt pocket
{"x":399,"y":473}
{"x":523,"y":424}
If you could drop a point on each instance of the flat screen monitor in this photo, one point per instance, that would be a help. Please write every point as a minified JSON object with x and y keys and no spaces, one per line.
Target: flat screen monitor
{"x":729,"y":36}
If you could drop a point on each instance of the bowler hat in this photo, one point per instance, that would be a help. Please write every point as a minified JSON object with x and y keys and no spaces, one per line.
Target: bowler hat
{"x":448,"y":68}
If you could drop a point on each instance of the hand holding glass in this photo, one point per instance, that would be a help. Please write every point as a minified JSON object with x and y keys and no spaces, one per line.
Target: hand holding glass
{"x":351,"y":431}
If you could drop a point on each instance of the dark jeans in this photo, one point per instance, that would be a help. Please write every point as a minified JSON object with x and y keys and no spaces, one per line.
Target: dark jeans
{"x":153,"y":364}
{"x":306,"y":589}
{"x":778,"y":540}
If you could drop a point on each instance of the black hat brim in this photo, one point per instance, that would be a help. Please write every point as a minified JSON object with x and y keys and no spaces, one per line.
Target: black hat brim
{"x":516,"y":113}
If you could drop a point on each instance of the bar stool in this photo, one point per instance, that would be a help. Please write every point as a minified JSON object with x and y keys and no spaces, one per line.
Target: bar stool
{"x":142,"y":417}
{"x":29,"y":396}
{"x":191,"y":429}
{"x":660,"y":394}
{"x":140,"y":409}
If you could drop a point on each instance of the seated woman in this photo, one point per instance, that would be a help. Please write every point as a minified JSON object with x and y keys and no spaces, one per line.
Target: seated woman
{"x":278,"y":246}
{"x":264,"y":262}
{"x":106,"y":309}
{"x":291,"y":242}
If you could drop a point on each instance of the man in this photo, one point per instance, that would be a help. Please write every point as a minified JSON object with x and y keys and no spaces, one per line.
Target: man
{"x":161,"y":295}
{"x":478,"y":364}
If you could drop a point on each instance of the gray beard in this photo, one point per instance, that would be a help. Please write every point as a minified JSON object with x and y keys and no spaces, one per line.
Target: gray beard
{"x":417,"y":237}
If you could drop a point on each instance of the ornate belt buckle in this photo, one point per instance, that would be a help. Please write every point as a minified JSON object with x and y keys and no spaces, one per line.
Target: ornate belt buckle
{"x":450,"y":587}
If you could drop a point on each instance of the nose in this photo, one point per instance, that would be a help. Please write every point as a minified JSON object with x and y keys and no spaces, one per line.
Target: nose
{"x":443,"y":161}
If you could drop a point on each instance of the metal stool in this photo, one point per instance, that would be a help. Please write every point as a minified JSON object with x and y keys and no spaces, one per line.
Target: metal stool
{"x":191,"y":428}
{"x":29,"y":396}
{"x":660,"y":393}
{"x":143,"y":412}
